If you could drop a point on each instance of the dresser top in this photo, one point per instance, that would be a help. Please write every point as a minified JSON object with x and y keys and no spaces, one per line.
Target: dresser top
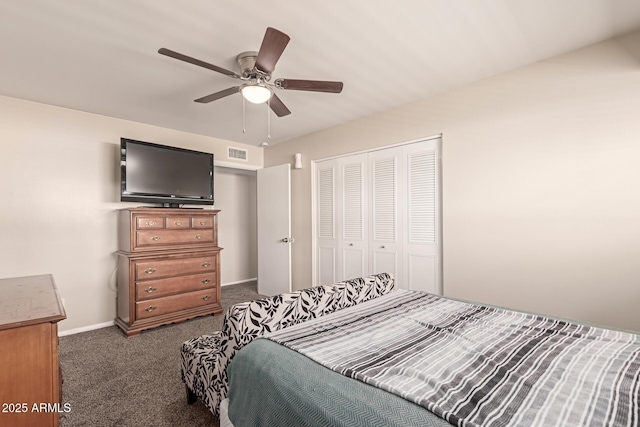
{"x":29,"y":300}
{"x":167,"y":211}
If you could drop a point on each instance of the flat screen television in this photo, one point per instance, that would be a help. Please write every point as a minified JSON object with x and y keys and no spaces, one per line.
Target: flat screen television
{"x":153,"y":173}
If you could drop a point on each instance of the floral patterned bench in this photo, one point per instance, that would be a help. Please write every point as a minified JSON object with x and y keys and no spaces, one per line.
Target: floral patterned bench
{"x":205,"y":358}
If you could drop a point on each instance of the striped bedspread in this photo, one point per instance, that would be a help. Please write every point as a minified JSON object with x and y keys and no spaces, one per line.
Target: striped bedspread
{"x":479,"y":366}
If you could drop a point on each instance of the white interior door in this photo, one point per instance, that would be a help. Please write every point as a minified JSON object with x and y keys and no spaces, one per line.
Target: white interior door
{"x":274,"y":230}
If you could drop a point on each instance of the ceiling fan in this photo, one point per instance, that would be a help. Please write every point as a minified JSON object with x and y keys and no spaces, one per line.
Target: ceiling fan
{"x":255,"y":72}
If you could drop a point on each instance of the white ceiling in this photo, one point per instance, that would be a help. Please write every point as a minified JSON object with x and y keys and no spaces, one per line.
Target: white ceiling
{"x":100,"y":56}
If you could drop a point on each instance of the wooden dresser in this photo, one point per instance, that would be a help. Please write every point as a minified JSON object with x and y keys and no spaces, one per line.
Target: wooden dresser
{"x":30,"y":380}
{"x":168,"y":266}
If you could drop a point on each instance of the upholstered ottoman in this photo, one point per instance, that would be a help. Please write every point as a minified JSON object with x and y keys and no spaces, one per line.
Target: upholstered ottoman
{"x":205,"y":359}
{"x":201,"y":363}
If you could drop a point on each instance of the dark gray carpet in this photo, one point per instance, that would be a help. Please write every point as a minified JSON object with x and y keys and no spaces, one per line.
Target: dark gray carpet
{"x":112,"y":380}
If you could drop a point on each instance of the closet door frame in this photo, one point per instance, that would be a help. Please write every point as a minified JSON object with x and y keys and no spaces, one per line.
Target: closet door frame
{"x":314,"y":207}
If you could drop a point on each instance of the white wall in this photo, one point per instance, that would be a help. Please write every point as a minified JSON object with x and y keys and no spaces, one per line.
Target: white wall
{"x":59,"y":186}
{"x":237,"y":234}
{"x":541,"y":183}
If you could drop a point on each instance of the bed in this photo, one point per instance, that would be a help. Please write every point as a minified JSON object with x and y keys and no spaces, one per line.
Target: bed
{"x":409,"y":358}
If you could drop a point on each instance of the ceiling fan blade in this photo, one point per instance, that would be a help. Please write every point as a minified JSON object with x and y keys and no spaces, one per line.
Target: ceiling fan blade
{"x":273,"y":45}
{"x":310,"y":85}
{"x":218,"y":95}
{"x":278,"y":106}
{"x":181,"y":57}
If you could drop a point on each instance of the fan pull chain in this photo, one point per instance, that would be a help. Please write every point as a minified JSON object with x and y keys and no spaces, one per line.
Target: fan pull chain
{"x":268,"y":119}
{"x":244,"y":118}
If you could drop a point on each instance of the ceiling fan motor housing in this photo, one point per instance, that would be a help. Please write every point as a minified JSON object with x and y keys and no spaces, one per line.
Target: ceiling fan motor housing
{"x":247,"y":62}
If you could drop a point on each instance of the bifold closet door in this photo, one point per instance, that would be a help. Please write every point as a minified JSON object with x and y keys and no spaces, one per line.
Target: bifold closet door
{"x":404,"y":221}
{"x":341,"y":219}
{"x":352,"y":230}
{"x":326,"y":239}
{"x":421,"y":248}
{"x":379,"y":212}
{"x":385,"y":220}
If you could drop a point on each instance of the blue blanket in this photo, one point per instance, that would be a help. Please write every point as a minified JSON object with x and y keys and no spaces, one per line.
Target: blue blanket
{"x":271,"y":385}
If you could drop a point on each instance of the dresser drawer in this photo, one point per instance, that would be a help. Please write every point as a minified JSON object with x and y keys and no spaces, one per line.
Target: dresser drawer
{"x":153,"y":269}
{"x":147,"y":222}
{"x":166,"y":305}
{"x":202,"y":222}
{"x":163,"y":287}
{"x":147,"y":229}
{"x":151,"y":238}
{"x":178,"y":222}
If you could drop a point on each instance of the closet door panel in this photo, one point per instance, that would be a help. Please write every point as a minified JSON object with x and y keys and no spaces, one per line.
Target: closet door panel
{"x":326,"y":265}
{"x":421,"y":240}
{"x":421,"y":273}
{"x":384,"y":261}
{"x":326,"y":203}
{"x":354,"y":263}
{"x":385,"y":217}
{"x":326,"y":227}
{"x":385,"y":193}
{"x":352,"y":224}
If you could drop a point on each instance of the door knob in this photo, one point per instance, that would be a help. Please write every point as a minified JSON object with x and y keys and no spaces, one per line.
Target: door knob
{"x":288,"y":240}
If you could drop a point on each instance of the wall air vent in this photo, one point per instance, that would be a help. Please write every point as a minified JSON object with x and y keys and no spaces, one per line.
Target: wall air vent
{"x":237,"y":153}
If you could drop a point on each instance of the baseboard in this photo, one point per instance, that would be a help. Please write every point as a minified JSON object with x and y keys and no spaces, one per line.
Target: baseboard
{"x":111,"y":323}
{"x":239,"y":281}
{"x":85,"y":328}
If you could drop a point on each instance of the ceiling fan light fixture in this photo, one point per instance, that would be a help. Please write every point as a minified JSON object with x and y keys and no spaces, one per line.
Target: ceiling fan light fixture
{"x":256,"y":94}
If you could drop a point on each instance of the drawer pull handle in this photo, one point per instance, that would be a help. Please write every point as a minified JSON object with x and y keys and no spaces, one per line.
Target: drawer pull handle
{"x":150,"y":270}
{"x":150,"y":289}
{"x":203,"y":222}
{"x":198,"y":236}
{"x":150,"y":308}
{"x":206,"y":281}
{"x":151,"y":223}
{"x":206,"y":298}
{"x":205,"y":264}
{"x":178,"y":223}
{"x":155,"y":238}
